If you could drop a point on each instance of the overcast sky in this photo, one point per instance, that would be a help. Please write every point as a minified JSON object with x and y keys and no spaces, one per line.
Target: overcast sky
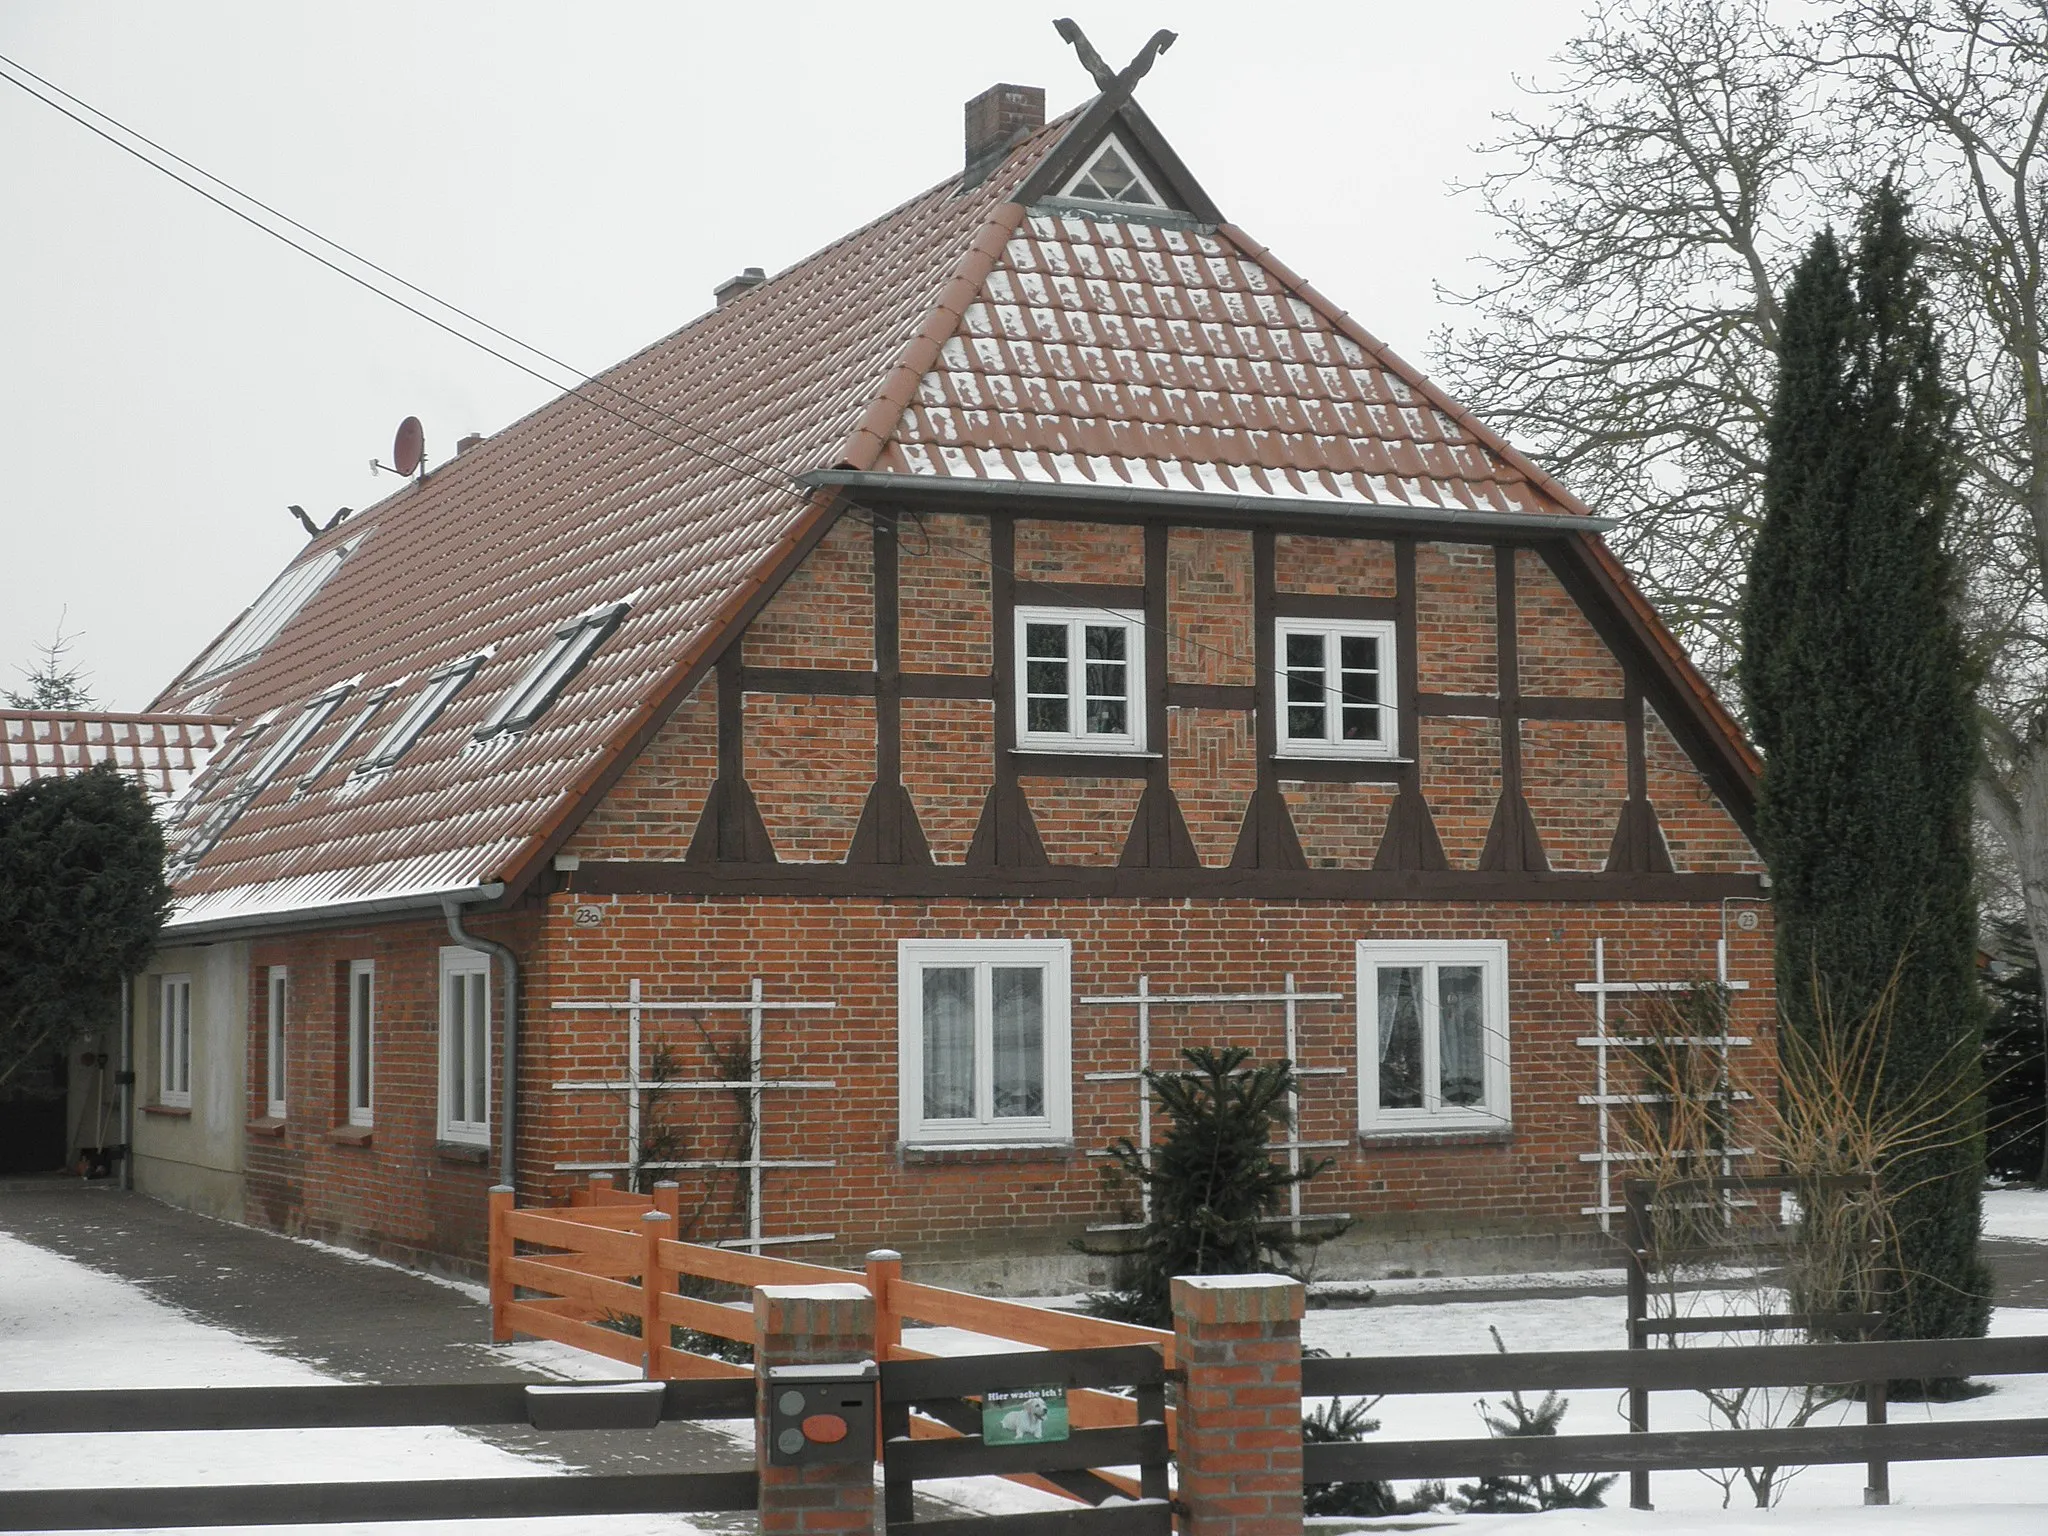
{"x":580,"y":176}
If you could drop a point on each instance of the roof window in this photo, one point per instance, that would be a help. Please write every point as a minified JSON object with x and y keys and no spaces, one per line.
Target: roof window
{"x":442,"y":685}
{"x":550,"y":673}
{"x":1113,"y":177}
{"x":283,"y":746}
{"x":372,"y":702}
{"x":269,"y":614}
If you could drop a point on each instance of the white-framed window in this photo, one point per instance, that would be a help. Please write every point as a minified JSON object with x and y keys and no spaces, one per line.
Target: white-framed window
{"x":985,"y":1045}
{"x":274,"y":1043}
{"x":362,"y":1040}
{"x":442,"y":684}
{"x":174,"y":1042}
{"x":551,"y":671}
{"x":1433,"y":1035}
{"x":1112,"y":176}
{"x":1336,"y":688}
{"x":1080,"y":680}
{"x":465,"y":1045}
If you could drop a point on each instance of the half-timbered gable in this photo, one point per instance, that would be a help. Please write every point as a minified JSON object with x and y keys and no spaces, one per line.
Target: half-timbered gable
{"x":854,"y":737}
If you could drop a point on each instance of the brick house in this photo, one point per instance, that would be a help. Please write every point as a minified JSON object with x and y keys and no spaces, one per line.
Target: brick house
{"x":1037,"y":601}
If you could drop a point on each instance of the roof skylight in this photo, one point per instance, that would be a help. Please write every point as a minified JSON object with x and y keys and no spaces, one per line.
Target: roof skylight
{"x":270,"y":613}
{"x":282,"y":747}
{"x":442,"y":686}
{"x":1113,"y":177}
{"x":529,"y":699}
{"x":372,"y":702}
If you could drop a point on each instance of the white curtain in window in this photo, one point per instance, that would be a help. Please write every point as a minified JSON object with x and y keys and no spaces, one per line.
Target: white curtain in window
{"x":1018,"y":998}
{"x":948,"y":1001}
{"x":1400,"y":1042}
{"x":1461,"y":1033}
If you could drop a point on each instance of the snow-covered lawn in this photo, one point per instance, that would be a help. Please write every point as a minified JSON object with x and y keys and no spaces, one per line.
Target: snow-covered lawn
{"x":2019,"y":1214}
{"x":64,"y":1325}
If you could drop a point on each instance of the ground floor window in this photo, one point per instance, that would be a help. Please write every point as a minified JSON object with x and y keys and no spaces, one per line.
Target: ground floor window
{"x":362,"y":1035}
{"x":984,"y":1040}
{"x":1432,"y":1035}
{"x":465,"y":1045}
{"x":273,"y":1043}
{"x":174,"y":1042}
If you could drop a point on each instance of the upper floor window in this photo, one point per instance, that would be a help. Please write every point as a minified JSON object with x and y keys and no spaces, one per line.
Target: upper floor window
{"x":362,"y":1040}
{"x":984,"y":1040}
{"x":443,"y":683}
{"x":174,"y":1042}
{"x":465,"y":1045}
{"x":550,"y":673}
{"x":1081,"y":678}
{"x":1336,"y":686}
{"x":1433,"y":1035}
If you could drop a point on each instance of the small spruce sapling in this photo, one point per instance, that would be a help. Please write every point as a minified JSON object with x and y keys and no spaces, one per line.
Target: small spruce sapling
{"x":1335,"y":1421}
{"x":1528,"y":1495}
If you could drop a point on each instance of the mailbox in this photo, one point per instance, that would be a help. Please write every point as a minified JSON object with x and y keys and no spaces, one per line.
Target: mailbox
{"x":821,"y":1413}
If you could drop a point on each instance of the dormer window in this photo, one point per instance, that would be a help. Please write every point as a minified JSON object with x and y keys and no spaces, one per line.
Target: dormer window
{"x":442,"y":686}
{"x":1112,"y":176}
{"x":550,"y":673}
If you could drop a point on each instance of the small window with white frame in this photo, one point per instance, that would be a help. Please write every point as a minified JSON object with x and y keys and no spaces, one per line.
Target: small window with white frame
{"x":174,"y":1042}
{"x":1080,"y":680}
{"x":362,"y":1040}
{"x":1433,"y":1035}
{"x":465,"y":1046}
{"x":1112,"y":176}
{"x":985,"y":1045}
{"x":528,"y":699}
{"x":1336,"y":686}
{"x":274,"y":1042}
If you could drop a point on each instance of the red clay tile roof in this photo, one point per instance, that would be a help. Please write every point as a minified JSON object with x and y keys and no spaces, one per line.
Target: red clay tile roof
{"x":955,"y":336}
{"x":164,"y":753}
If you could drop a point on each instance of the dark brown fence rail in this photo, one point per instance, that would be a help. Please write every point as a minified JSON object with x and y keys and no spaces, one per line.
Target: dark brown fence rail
{"x":931,"y":1427}
{"x":1642,"y":1451}
{"x":605,"y":1406}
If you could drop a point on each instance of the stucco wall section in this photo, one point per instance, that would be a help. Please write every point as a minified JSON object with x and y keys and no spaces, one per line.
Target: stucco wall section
{"x":194,"y":1158}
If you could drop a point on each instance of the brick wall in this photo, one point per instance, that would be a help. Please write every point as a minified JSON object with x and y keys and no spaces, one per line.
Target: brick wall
{"x":399,"y":1191}
{"x":940,"y":1204}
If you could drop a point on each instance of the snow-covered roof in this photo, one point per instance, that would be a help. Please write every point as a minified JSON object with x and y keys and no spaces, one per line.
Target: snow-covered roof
{"x":164,"y":753}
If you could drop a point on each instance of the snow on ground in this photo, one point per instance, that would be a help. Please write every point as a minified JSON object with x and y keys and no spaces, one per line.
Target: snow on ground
{"x":2019,"y":1214}
{"x":65,"y":1325}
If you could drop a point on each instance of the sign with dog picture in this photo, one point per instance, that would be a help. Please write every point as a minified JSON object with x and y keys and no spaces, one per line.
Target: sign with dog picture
{"x":1029,"y":1417}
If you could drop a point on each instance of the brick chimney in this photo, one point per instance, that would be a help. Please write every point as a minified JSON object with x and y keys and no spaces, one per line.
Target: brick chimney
{"x":733,"y":287}
{"x":996,"y":120}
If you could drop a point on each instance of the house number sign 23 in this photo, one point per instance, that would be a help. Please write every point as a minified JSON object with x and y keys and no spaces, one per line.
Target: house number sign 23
{"x":1027,"y":1417}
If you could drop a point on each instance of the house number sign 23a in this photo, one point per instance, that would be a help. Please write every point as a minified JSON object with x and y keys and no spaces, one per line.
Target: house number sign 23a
{"x":1027,"y":1417}
{"x":587,"y":916}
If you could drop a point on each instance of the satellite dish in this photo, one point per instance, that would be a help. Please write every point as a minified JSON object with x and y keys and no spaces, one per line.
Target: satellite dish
{"x":409,"y":447}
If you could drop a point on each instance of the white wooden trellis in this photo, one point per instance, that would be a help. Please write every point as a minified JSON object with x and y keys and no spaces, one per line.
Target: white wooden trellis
{"x":756,"y":1006}
{"x":1604,"y":1101}
{"x":1145,"y":1000}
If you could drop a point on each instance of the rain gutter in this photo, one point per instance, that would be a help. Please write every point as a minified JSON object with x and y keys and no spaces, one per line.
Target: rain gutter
{"x":212,"y":930}
{"x":1211,"y":503}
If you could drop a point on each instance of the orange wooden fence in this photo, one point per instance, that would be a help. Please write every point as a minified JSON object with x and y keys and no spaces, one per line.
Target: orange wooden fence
{"x":609,"y":1281}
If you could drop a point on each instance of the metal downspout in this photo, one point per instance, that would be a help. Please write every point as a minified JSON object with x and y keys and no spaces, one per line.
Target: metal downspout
{"x":126,"y":1079}
{"x":508,"y":1092}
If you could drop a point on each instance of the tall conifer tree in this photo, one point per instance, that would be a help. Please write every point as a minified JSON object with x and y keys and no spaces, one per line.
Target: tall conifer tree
{"x":1860,"y":696}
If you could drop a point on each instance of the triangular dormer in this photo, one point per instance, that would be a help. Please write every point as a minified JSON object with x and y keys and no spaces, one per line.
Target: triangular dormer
{"x":1112,"y":160}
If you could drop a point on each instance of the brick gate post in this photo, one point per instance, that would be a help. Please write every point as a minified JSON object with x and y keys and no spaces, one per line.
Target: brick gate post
{"x":812,"y":1325}
{"x":1238,"y":1337}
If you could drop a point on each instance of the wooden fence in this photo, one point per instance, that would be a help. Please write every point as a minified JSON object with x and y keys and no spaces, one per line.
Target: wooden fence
{"x":630,"y":1405}
{"x":1643,"y":1451}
